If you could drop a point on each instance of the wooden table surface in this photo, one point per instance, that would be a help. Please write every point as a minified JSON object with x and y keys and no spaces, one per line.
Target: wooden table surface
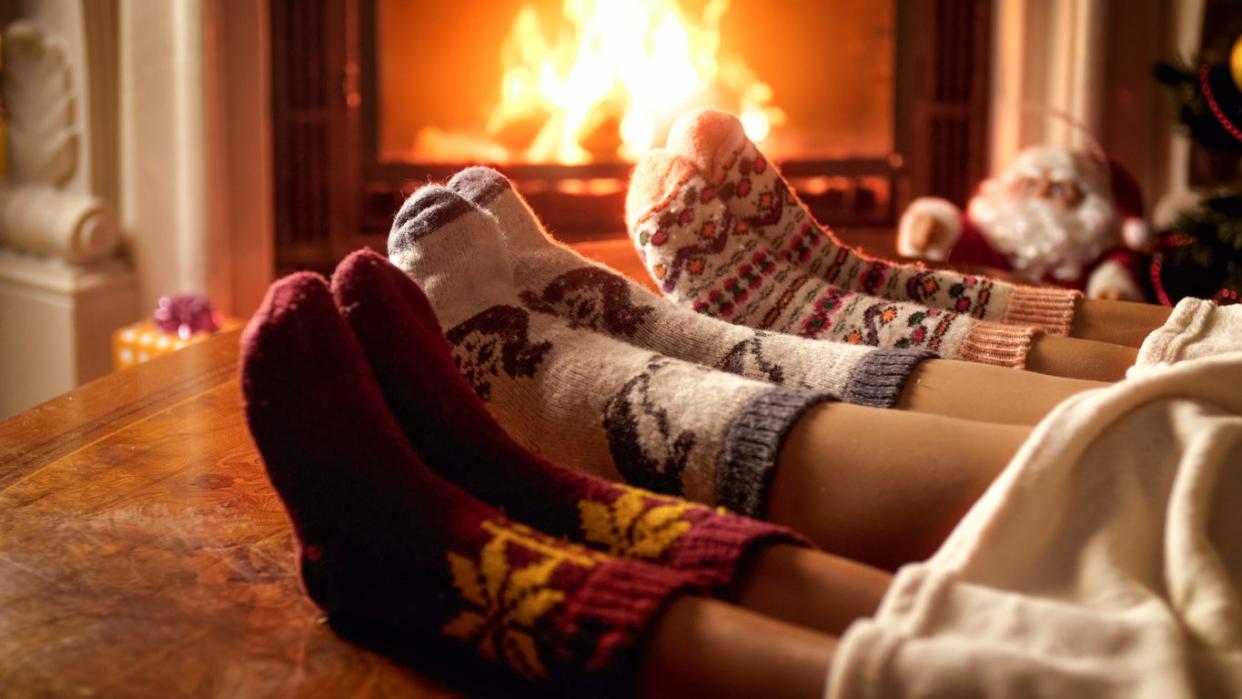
{"x":143,"y":552}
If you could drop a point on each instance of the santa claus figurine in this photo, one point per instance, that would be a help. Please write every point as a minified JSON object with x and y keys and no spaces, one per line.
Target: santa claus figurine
{"x":1056,"y":216}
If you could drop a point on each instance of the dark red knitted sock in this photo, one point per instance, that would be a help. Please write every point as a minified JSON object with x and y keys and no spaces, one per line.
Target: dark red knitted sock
{"x":386,"y":544}
{"x":452,"y":430}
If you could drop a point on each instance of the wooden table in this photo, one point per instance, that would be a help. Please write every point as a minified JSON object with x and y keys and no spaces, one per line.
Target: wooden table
{"x":143,"y":552}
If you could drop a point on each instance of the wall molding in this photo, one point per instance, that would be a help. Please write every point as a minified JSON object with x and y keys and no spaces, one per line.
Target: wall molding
{"x":1049,"y":57}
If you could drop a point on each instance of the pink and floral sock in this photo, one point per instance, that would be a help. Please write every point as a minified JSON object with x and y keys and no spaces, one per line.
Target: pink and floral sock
{"x":706,"y":257}
{"x":756,"y":194}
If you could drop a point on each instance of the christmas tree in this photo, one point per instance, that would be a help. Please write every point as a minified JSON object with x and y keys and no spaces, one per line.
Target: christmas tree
{"x":1200,"y":255}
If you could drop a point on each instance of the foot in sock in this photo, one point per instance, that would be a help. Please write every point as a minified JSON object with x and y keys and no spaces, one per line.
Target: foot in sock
{"x":704,"y":257}
{"x":555,"y":279}
{"x":390,"y":550}
{"x":451,"y":430}
{"x":582,"y":398}
{"x":756,"y":194}
{"x":1195,"y":329}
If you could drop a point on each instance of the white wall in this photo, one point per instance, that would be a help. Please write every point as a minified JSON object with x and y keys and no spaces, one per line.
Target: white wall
{"x":174,"y":98}
{"x":1090,"y":61}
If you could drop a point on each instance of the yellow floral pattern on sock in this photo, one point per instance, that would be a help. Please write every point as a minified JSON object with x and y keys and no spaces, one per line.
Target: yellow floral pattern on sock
{"x":630,"y":527}
{"x":505,"y":601}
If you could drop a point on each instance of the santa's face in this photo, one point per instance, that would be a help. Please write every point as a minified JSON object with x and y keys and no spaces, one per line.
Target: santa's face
{"x":1049,"y":215}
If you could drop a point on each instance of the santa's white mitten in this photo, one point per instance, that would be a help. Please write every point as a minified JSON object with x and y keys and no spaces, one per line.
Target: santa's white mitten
{"x":929,"y":229}
{"x":1112,"y":281}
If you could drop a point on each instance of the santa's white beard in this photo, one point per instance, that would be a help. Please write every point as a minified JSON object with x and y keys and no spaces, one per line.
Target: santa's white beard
{"x":1041,"y":237}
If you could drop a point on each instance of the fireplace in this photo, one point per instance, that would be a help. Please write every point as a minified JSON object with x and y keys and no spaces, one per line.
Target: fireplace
{"x":373,"y":97}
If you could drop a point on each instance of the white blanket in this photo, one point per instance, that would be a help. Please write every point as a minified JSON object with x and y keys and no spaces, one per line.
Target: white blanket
{"x":1106,"y":561}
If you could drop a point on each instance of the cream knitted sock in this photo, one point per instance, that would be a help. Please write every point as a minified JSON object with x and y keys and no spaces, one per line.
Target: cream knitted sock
{"x":582,"y":398}
{"x":1195,"y":329}
{"x":702,"y":256}
{"x":754,"y":191}
{"x":555,"y":279}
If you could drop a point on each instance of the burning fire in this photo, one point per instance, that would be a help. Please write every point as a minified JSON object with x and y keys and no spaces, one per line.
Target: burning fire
{"x":612,"y":84}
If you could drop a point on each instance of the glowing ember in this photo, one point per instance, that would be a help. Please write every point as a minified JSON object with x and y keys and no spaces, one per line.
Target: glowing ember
{"x":612,"y":85}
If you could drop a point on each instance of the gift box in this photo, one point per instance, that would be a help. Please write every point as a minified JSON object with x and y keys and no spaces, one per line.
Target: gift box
{"x":139,"y":342}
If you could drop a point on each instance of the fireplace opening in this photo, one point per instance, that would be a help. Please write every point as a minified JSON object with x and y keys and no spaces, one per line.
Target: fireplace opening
{"x":565,"y":95}
{"x":372,"y":98}
{"x":580,"y":81}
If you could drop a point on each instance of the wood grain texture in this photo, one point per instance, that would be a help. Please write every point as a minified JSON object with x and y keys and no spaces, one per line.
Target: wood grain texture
{"x":143,"y":552}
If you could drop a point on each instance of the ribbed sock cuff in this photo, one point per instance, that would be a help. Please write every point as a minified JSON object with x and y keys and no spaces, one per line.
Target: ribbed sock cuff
{"x":998,"y":344}
{"x":1050,"y":310}
{"x":604,"y":617}
{"x":1187,"y":324}
{"x":753,"y":445}
{"x":878,"y":379}
{"x":714,"y":549}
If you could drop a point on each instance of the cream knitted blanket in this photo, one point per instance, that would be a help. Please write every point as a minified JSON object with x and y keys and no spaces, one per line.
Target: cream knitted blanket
{"x":1105,"y":562}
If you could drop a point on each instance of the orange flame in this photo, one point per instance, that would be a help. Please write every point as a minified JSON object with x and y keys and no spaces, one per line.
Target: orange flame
{"x":627,"y":68}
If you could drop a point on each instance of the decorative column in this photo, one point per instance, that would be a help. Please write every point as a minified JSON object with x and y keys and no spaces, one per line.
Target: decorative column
{"x":63,"y":285}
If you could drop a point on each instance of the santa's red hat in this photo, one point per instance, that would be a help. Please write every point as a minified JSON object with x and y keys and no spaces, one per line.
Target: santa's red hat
{"x":1128,"y":199}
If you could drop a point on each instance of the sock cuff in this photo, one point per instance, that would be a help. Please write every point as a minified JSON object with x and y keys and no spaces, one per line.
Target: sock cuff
{"x":998,"y":344}
{"x":605,"y":616}
{"x":878,"y":379}
{"x":753,"y":445}
{"x":1050,"y":310}
{"x":714,"y":550}
{"x":1186,"y":324}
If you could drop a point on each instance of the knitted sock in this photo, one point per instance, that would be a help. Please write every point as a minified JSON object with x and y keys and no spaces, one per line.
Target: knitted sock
{"x":555,"y":279}
{"x":387,"y":546}
{"x":452,"y":431}
{"x":755,"y":193}
{"x":706,"y":258}
{"x":1195,"y":329}
{"x":582,"y":398}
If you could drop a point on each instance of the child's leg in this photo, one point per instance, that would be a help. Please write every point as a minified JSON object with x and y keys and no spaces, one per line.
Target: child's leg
{"x":985,"y":393}
{"x":1118,"y":322}
{"x":1075,"y":358}
{"x":701,"y":647}
{"x":884,"y":487}
{"x":810,"y":588}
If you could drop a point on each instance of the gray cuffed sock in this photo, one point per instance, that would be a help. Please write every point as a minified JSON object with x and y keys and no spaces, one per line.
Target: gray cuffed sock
{"x":878,"y":379}
{"x":560,"y":282}
{"x":581,"y":398}
{"x":753,"y":447}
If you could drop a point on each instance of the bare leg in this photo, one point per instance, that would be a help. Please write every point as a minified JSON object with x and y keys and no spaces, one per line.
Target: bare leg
{"x":810,"y":588}
{"x":1118,"y":322}
{"x":1075,"y":358}
{"x":702,"y":647}
{"x":986,"y":393}
{"x":884,"y":487}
